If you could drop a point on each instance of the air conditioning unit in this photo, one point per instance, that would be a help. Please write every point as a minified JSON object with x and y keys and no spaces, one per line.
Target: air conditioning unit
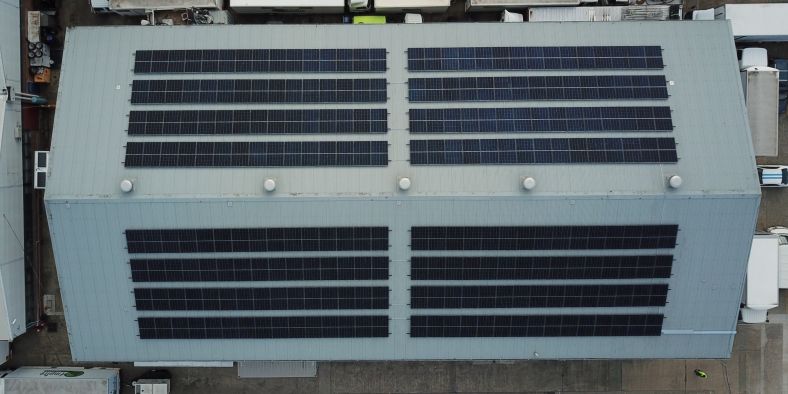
{"x":40,"y":169}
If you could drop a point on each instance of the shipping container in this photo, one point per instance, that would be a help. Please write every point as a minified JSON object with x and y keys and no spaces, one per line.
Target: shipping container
{"x":60,"y":380}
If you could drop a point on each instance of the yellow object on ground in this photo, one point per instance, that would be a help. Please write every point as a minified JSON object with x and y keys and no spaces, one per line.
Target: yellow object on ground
{"x":369,"y":20}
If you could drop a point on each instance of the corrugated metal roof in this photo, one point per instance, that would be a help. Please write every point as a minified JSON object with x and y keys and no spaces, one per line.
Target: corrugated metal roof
{"x":715,"y":208}
{"x":94,"y":105}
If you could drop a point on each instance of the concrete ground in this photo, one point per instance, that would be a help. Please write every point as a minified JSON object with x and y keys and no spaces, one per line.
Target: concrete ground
{"x":756,"y":365}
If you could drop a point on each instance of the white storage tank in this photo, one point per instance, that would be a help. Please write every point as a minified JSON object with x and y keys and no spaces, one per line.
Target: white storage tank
{"x":760,"y":291}
{"x":61,"y":380}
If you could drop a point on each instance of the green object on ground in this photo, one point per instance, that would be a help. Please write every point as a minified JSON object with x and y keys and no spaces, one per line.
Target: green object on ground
{"x":369,"y":20}
{"x":701,"y":374}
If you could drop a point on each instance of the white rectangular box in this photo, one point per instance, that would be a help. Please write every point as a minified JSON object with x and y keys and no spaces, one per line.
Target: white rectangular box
{"x":417,"y":6}
{"x":598,"y":14}
{"x":62,"y":380}
{"x":500,"y":5}
{"x":287,"y":6}
{"x":761,"y":95}
{"x":756,"y":22}
{"x":761,"y":292}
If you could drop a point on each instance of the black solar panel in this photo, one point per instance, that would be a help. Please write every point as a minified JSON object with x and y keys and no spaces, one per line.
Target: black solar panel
{"x":544,"y":237}
{"x":541,"y":267}
{"x":257,"y":154}
{"x":536,"y":326}
{"x":534,"y":58}
{"x":260,"y":61}
{"x":577,"y":296}
{"x":292,"y":239}
{"x":261,"y":299}
{"x":534,"y":120}
{"x":543,"y":151}
{"x":299,"y":121}
{"x":263,"y":327}
{"x":240,"y":91}
{"x":593,"y":87}
{"x":259,"y":269}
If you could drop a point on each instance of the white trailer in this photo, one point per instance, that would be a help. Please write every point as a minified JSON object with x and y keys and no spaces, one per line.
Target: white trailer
{"x":761,"y":93}
{"x":500,"y":5}
{"x":61,"y":380}
{"x":416,"y":6}
{"x":761,"y":291}
{"x":756,"y":22}
{"x":140,"y":7}
{"x":599,"y":14}
{"x":287,"y":6}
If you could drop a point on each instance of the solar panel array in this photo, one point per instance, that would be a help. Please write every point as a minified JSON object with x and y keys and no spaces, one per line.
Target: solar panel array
{"x":257,"y":154}
{"x":554,"y":296}
{"x":260,"y":61}
{"x":439,"y":326}
{"x":256,"y":120}
{"x":339,"y":259}
{"x":543,"y":151}
{"x":451,"y":296}
{"x":225,"y":122}
{"x":263,"y":327}
{"x":621,"y":87}
{"x":585,"y":87}
{"x":256,"y":91}
{"x":261,"y":298}
{"x":534,"y":58}
{"x":260,"y":269}
{"x":540,"y":119}
{"x":540,"y":267}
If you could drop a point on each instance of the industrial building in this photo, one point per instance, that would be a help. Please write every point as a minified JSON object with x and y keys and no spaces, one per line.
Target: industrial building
{"x":401,"y":192}
{"x":12,"y":272}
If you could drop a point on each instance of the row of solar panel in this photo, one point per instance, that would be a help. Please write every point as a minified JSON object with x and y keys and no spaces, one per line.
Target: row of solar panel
{"x":377,"y":326}
{"x":257,"y":154}
{"x":535,"y":64}
{"x":553,"y":81}
{"x":261,"y":298}
{"x":544,"y":237}
{"x":534,"y":58}
{"x":536,"y":326}
{"x":260,"y":269}
{"x":260,"y":66}
{"x":263,"y":327}
{"x":568,"y":119}
{"x":540,"y":267}
{"x":260,"y":60}
{"x":594,"y":87}
{"x":535,"y":52}
{"x":306,"y":121}
{"x":422,"y":152}
{"x":193,"y":91}
{"x":319,"y":239}
{"x":543,"y":151}
{"x":422,"y":238}
{"x":422,"y":268}
{"x":579,"y":296}
{"x":422,"y":297}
